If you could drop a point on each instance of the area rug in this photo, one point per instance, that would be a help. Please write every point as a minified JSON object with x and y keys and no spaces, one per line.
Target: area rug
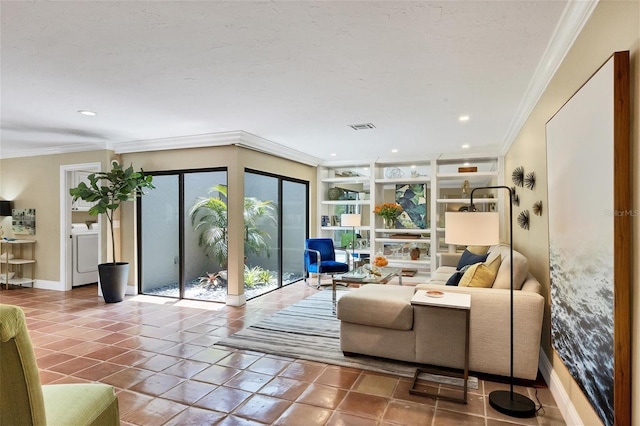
{"x":310,"y":330}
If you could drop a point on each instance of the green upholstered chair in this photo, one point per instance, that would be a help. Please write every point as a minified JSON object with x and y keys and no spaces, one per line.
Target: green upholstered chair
{"x":24,"y":401}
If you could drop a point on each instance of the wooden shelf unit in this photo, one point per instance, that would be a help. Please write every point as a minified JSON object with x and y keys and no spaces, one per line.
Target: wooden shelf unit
{"x":16,"y":263}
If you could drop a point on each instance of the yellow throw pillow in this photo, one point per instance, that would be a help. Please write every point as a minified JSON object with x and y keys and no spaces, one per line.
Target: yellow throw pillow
{"x":481,"y":274}
{"x":478,"y":249}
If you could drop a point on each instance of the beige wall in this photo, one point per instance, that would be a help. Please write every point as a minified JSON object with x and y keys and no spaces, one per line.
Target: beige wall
{"x":34,"y":182}
{"x":614,"y":26}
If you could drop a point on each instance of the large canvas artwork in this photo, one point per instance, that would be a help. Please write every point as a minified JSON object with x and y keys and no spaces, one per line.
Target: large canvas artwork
{"x":589,"y":198}
{"x":413,"y":199}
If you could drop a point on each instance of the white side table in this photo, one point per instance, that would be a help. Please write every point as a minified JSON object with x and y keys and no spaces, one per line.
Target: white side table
{"x":445,"y":300}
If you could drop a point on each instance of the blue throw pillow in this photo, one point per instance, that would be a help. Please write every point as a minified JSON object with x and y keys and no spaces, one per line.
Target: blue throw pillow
{"x":455,"y":278}
{"x":469,"y":258}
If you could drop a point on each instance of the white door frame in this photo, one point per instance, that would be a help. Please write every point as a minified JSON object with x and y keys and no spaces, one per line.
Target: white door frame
{"x":65,"y":221}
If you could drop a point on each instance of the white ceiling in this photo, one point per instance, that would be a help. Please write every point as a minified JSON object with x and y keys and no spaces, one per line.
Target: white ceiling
{"x":295,"y":73}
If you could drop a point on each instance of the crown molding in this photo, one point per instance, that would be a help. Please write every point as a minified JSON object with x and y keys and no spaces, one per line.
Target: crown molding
{"x":61,"y":149}
{"x":573,"y":19}
{"x":178,"y":142}
{"x":260,"y":144}
{"x":238,"y":138}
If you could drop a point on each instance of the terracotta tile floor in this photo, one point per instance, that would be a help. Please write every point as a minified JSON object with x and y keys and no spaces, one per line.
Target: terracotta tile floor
{"x":159,"y":354}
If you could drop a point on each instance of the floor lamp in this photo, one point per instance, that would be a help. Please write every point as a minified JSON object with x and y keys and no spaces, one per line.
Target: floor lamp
{"x":351,"y":220}
{"x":483,"y":228}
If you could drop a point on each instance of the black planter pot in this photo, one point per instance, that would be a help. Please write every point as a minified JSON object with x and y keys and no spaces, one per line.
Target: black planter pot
{"x":113,"y":281}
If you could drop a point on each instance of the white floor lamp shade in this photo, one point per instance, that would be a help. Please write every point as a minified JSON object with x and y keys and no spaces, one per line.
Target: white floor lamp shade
{"x":472,"y":228}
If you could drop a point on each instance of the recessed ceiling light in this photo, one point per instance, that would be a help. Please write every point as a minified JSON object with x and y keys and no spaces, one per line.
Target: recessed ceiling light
{"x":333,"y":154}
{"x":85,"y":112}
{"x":465,"y":146}
{"x":413,"y":166}
{"x":466,"y":163}
{"x":394,"y":150}
{"x":463,"y":118}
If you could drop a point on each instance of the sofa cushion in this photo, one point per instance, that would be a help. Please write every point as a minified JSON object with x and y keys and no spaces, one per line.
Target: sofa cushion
{"x":520,"y":268}
{"x":378,"y":305}
{"x":469,"y":258}
{"x":481,"y":274}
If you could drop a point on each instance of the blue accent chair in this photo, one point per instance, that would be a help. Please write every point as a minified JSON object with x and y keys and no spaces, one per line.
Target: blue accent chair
{"x":320,"y":258}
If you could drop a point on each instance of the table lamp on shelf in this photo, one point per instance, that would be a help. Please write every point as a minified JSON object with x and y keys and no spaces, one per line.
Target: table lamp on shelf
{"x":352,"y":220}
{"x":483,"y":228}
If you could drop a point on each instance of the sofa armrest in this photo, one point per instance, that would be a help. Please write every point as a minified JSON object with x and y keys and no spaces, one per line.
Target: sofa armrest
{"x":450,"y":259}
{"x":532,"y":285}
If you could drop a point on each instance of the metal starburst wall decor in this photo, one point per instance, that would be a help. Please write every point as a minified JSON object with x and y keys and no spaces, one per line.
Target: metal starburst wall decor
{"x":523,"y":219}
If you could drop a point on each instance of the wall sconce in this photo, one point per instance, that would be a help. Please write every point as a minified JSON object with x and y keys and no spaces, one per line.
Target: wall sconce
{"x":5,"y":208}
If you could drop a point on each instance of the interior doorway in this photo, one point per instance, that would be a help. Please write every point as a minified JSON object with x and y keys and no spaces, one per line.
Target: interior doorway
{"x":70,"y":176}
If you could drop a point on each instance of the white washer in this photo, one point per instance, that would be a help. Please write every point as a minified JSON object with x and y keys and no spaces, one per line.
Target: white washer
{"x":84,"y":254}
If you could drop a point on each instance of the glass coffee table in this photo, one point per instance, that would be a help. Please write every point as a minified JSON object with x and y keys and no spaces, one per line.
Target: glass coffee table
{"x":354,"y":277}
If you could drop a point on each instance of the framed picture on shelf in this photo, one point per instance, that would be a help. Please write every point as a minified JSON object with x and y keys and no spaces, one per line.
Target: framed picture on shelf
{"x":335,"y":220}
{"x":413,"y":199}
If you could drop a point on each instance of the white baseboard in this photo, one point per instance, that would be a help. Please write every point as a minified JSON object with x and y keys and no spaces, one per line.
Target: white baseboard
{"x":236,"y":300}
{"x":49,"y":285}
{"x":565,"y":405}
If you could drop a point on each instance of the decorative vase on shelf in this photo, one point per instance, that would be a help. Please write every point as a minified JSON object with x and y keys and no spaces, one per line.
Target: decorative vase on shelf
{"x":335,"y":193}
{"x":415,"y":253}
{"x":389,"y":222}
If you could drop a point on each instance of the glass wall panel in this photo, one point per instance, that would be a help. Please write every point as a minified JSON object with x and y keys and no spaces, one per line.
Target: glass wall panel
{"x":261,"y":242}
{"x":294,"y":230}
{"x":160,"y":234}
{"x":205,"y":236}
{"x":184,"y":236}
{"x":184,"y":245}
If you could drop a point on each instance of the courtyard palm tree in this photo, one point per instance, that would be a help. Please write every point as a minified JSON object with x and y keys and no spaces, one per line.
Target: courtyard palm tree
{"x":209,"y":218}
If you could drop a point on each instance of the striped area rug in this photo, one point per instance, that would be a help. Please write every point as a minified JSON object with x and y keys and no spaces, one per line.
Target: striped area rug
{"x":309,"y":330}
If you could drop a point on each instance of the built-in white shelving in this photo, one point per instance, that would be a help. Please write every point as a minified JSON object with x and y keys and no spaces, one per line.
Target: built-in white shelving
{"x":376,"y":182}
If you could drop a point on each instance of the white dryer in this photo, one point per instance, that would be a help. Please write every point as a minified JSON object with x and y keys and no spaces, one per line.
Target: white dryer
{"x":84,"y":254}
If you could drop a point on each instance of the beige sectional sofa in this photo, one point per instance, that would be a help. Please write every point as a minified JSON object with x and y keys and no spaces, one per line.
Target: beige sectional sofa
{"x":379,"y":320}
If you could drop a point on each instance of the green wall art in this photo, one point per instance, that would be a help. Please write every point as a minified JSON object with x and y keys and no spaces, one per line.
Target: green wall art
{"x":413,"y":199}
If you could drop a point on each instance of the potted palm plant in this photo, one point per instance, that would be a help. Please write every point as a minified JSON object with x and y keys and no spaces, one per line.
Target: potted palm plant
{"x":106,"y":191}
{"x":209,"y":218}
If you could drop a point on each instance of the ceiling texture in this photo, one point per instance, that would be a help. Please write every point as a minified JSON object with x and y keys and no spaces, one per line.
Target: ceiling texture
{"x":288,"y":77}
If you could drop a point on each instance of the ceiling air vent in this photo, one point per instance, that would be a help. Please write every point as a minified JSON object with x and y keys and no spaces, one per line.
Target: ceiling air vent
{"x":364,"y":126}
